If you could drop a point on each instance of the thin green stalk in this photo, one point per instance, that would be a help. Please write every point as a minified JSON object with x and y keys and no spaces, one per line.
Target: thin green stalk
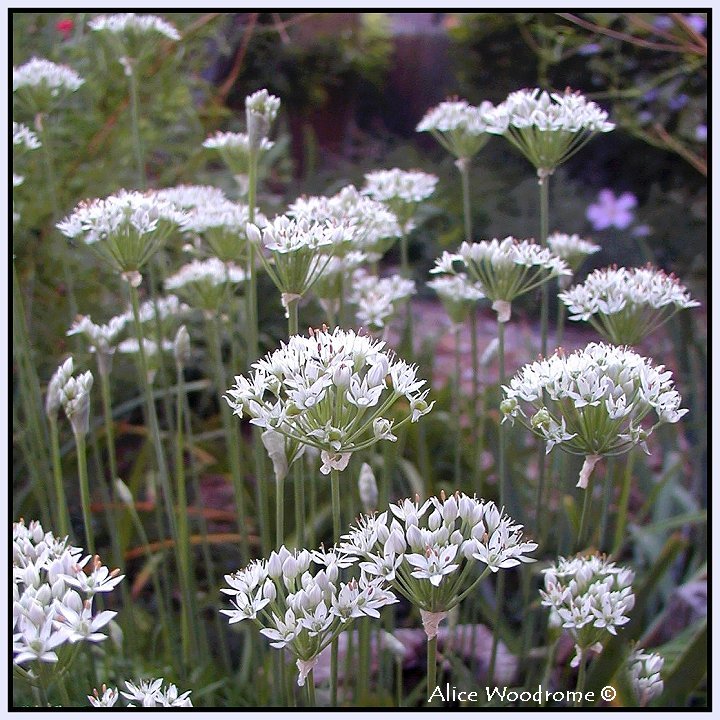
{"x":310,"y":685}
{"x":607,"y":493}
{"x":544,"y":183}
{"x":560,"y":327}
{"x":84,"y":491}
{"x":501,"y":427}
{"x":463,"y":165}
{"x":407,"y":339}
{"x":499,"y":598}
{"x":62,"y":517}
{"x":580,"y":686}
{"x":335,"y":492}
{"x":298,"y":470}
{"x":431,"y":667}
{"x":42,"y":683}
{"x":584,"y":517}
{"x":398,"y":682}
{"x":280,"y":512}
{"x":135,"y":125}
{"x":457,"y":395}
{"x":623,"y":505}
{"x":363,"y":660}
{"x":475,"y":415}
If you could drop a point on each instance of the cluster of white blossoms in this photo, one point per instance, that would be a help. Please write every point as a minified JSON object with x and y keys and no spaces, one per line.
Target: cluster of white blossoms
{"x":400,"y":190}
{"x":261,"y":109}
{"x":426,"y":552}
{"x":330,"y":391}
{"x":459,"y":127}
{"x":53,"y":591}
{"x":233,"y":142}
{"x":590,"y":597}
{"x":458,"y":294}
{"x":23,"y":135}
{"x":330,"y":286}
{"x":378,"y":298}
{"x":504,"y":269}
{"x":188,"y":197}
{"x":72,"y":393}
{"x":125,"y":229}
{"x":572,"y":249}
{"x":547,"y":127}
{"x":132,"y":24}
{"x":299,"y":250}
{"x":303,"y":608}
{"x":205,"y":283}
{"x":626,"y":305}
{"x":149,"y":693}
{"x":39,"y":73}
{"x":592,"y":402}
{"x":645,"y":676}
{"x":102,"y":339}
{"x":372,"y":226}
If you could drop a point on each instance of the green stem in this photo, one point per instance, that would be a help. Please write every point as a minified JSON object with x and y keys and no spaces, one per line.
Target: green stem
{"x":585,"y":512}
{"x":407,"y":339}
{"x":544,"y":231}
{"x":62,"y":518}
{"x":398,"y":682}
{"x":463,"y":165}
{"x":475,"y":417}
{"x":457,"y":395}
{"x":580,"y":686}
{"x":363,"y":660}
{"x":42,"y":684}
{"x":310,"y":685}
{"x":623,"y":505}
{"x":431,"y":667}
{"x":84,"y":491}
{"x":298,"y":470}
{"x":607,"y":493}
{"x":135,"y":125}
{"x":499,"y":599}
{"x":335,"y":492}
{"x":560,"y":327}
{"x":501,"y":427}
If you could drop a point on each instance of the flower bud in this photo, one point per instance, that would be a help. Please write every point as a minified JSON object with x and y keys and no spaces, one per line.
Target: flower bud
{"x":181,"y":347}
{"x":367,"y":486}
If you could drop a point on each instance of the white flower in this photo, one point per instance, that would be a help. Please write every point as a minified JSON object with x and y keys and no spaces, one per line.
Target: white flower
{"x":131,"y":346}
{"x":75,"y":399}
{"x":205,"y":283}
{"x":458,"y":294}
{"x":102,"y":337}
{"x":23,"y":135}
{"x":591,"y":597}
{"x":645,"y":669}
{"x":411,"y":186}
{"x":188,"y":197}
{"x":82,"y":625}
{"x":377,"y":298}
{"x":611,"y":390}
{"x":626,"y":305}
{"x":547,"y":128}
{"x":145,"y":692}
{"x":108,"y":698}
{"x":367,"y":488}
{"x":232,"y":141}
{"x":53,"y":398}
{"x":261,"y":109}
{"x":571,"y":248}
{"x":130,"y":24}
{"x":41,"y":73}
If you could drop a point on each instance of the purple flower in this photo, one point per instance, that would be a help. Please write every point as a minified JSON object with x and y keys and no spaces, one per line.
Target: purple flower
{"x":662,"y":22}
{"x":678,"y":102}
{"x":696,"y":22}
{"x":610,"y":211}
{"x":589,"y":49}
{"x":701,"y":133}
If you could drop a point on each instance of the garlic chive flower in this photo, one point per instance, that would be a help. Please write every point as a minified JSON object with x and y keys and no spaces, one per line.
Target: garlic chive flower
{"x":102,"y":338}
{"x":401,"y":191}
{"x":592,"y":402}
{"x":367,"y":488}
{"x":24,"y":136}
{"x":572,"y":249}
{"x":188,"y":197}
{"x":53,"y":595}
{"x":547,"y":128}
{"x":75,"y":399}
{"x":234,"y":149}
{"x":261,"y":109}
{"x":331,"y":391}
{"x":505,"y":269}
{"x":39,"y":84}
{"x":57,"y":382}
{"x":428,"y":552}
{"x":299,"y":250}
{"x":644,"y":669}
{"x":458,"y":126}
{"x":299,"y":602}
{"x":590,"y":597}
{"x":151,"y":693}
{"x":205,"y":284}
{"x":125,"y":229}
{"x":458,"y":294}
{"x":164,"y":311}
{"x":330,"y":286}
{"x":131,"y":346}
{"x":108,"y":698}
{"x":626,"y":305}
{"x":378,"y":298}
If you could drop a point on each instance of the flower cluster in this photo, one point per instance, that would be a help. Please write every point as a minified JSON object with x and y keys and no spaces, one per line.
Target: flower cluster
{"x":504,"y":269}
{"x":149,"y":693}
{"x":40,"y":82}
{"x":378,"y":299}
{"x":645,"y":677}
{"x":261,"y":109}
{"x":372,"y":226}
{"x":189,"y":197}
{"x":102,"y":338}
{"x":593,"y":401}
{"x":73,"y":393}
{"x":124,"y":229}
{"x":458,"y":126}
{"x":400,"y":190}
{"x":234,"y":148}
{"x":590,"y":597}
{"x":23,"y":135}
{"x":130,"y":23}
{"x":458,"y":294}
{"x":330,"y":286}
{"x":205,"y":283}
{"x":331,"y":391}
{"x":572,"y":249}
{"x":53,"y":592}
{"x":296,"y":251}
{"x":426,"y":552}
{"x":300,"y":607}
{"x":626,"y":305}
{"x":547,"y":128}
{"x":162,"y":311}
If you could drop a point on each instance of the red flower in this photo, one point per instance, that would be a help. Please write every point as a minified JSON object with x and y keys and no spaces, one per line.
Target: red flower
{"x":65,"y":27}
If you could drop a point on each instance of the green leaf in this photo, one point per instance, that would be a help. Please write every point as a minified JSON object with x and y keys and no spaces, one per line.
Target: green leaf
{"x":687,"y":671}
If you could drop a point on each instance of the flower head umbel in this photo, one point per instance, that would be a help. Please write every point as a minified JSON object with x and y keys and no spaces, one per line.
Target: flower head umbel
{"x":300,"y":603}
{"x":125,"y":229}
{"x":572,"y":249}
{"x":592,"y":402}
{"x":261,"y":109}
{"x":40,"y":84}
{"x":332,"y":391}
{"x":610,"y":211}
{"x":547,"y":127}
{"x":378,"y":299}
{"x":400,"y":190}
{"x":102,"y":339}
{"x":458,"y":126}
{"x":24,"y":137}
{"x":458,"y":294}
{"x":53,"y":398}
{"x":53,"y":595}
{"x":644,"y":669}
{"x":131,"y":346}
{"x":234,"y":149}
{"x":590,"y":597}
{"x":75,"y":399}
{"x":299,"y":251}
{"x":424,"y":551}
{"x":152,"y":693}
{"x":504,"y":269}
{"x":626,"y":305}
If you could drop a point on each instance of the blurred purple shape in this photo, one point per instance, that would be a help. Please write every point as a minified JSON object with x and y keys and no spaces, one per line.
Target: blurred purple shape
{"x":610,"y":211}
